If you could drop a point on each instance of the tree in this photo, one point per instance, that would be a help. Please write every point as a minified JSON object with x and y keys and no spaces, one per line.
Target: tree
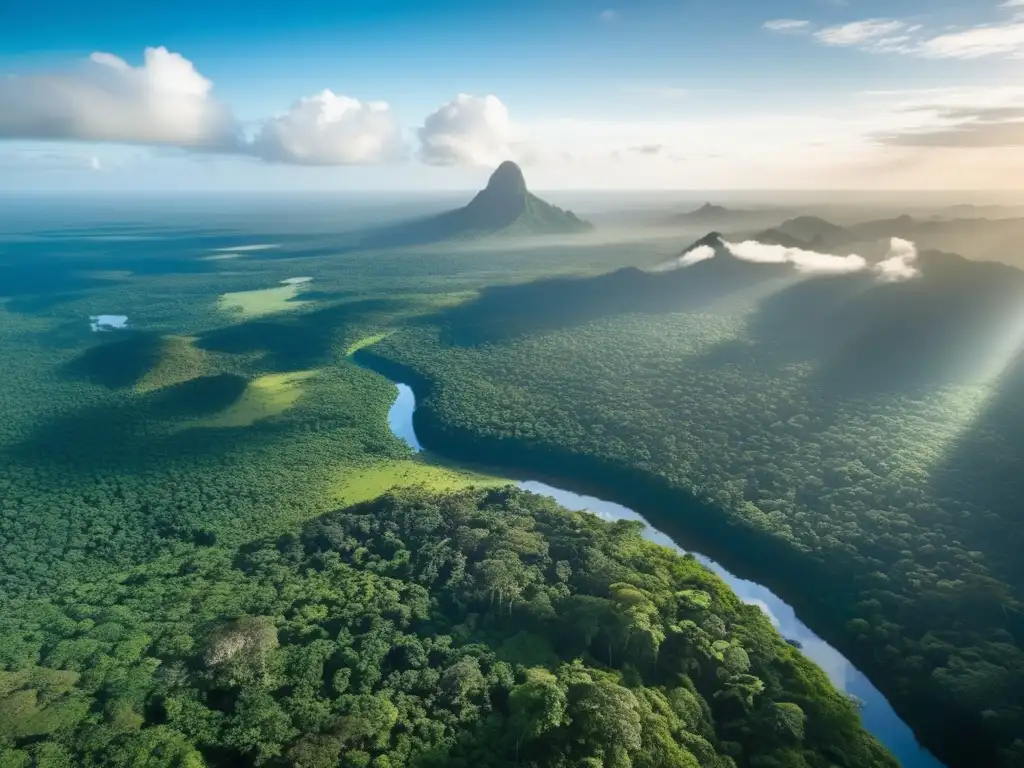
{"x":537,"y":706}
{"x":368,"y":720}
{"x":258,"y":726}
{"x":607,"y":714}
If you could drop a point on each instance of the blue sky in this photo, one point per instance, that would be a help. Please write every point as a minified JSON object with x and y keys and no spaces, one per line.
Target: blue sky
{"x":645,"y":94}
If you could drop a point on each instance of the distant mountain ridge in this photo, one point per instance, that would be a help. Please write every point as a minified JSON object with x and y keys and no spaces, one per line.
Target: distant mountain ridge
{"x":505,"y":207}
{"x":978,"y":239}
{"x":718,"y":216}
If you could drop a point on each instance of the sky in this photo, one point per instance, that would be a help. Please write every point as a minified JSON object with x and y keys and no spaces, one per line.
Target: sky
{"x":584,"y":94}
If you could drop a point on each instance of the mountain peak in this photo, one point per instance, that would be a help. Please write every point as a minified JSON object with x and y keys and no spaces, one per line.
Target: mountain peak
{"x":508,"y":177}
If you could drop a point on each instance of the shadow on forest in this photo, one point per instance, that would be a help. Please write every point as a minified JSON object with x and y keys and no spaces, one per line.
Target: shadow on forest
{"x":31,"y":280}
{"x":198,"y":397}
{"x":985,"y":468}
{"x":118,"y":364}
{"x":864,"y":336}
{"x":502,"y":313}
{"x":943,"y":328}
{"x":37,"y":304}
{"x":142,"y":433}
{"x":302,"y":341}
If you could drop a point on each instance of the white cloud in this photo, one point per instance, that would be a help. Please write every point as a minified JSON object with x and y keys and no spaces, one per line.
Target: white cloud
{"x":609,"y":15}
{"x":895,"y":36}
{"x":697,"y":255}
{"x":900,"y":263}
{"x":469,"y":130}
{"x":329,"y":129}
{"x":976,"y":43}
{"x":787,"y":25}
{"x":803,"y":261}
{"x":165,"y":101}
{"x":859,"y":32}
{"x":95,"y":164}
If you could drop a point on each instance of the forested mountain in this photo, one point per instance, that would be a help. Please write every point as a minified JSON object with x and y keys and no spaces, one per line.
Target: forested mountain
{"x":488,"y":628}
{"x":981,"y":239}
{"x":852,"y":441}
{"x":504,"y":207}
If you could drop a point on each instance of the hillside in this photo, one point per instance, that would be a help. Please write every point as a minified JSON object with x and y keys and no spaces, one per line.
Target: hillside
{"x":980,"y":239}
{"x":488,"y":628}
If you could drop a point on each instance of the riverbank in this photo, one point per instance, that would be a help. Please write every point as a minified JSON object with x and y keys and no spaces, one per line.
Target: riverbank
{"x":639,"y":498}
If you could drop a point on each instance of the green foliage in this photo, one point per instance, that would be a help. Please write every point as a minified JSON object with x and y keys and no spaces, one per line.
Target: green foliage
{"x":338,"y":651}
{"x":161,"y":603}
{"x":889,"y":513}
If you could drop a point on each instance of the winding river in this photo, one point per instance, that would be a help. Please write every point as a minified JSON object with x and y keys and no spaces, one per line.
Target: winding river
{"x":878,"y":716}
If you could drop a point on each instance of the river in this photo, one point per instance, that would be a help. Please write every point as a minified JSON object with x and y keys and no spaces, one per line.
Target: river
{"x":878,"y":716}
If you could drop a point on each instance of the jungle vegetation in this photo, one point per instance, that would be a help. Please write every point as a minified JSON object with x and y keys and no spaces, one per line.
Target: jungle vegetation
{"x":479,"y":628}
{"x":854,"y":445}
{"x":196,"y":567}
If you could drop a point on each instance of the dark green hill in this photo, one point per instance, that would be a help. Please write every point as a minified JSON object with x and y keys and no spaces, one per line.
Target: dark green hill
{"x":504,"y":207}
{"x":489,"y":628}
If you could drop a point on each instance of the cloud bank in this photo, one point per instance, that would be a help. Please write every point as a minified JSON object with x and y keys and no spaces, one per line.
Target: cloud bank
{"x":329,"y":129}
{"x":165,"y":101}
{"x":899,"y":264}
{"x":469,"y":130}
{"x":802,"y":260}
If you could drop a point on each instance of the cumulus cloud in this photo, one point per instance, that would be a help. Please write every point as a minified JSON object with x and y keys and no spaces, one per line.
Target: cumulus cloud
{"x":164,"y":101}
{"x":329,"y":129}
{"x":469,"y":130}
{"x":900,"y":263}
{"x":787,"y":25}
{"x":859,"y":32}
{"x":802,"y":260}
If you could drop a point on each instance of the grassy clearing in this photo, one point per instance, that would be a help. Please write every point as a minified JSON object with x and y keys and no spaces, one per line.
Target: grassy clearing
{"x":364,"y":484}
{"x":367,"y":341}
{"x":265,"y":397}
{"x":262,"y":302}
{"x":180,"y":361}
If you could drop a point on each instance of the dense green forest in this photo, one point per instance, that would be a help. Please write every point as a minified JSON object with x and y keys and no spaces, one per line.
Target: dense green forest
{"x":884,"y":506}
{"x":184,"y":579}
{"x":170,"y":492}
{"x":479,"y":628}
